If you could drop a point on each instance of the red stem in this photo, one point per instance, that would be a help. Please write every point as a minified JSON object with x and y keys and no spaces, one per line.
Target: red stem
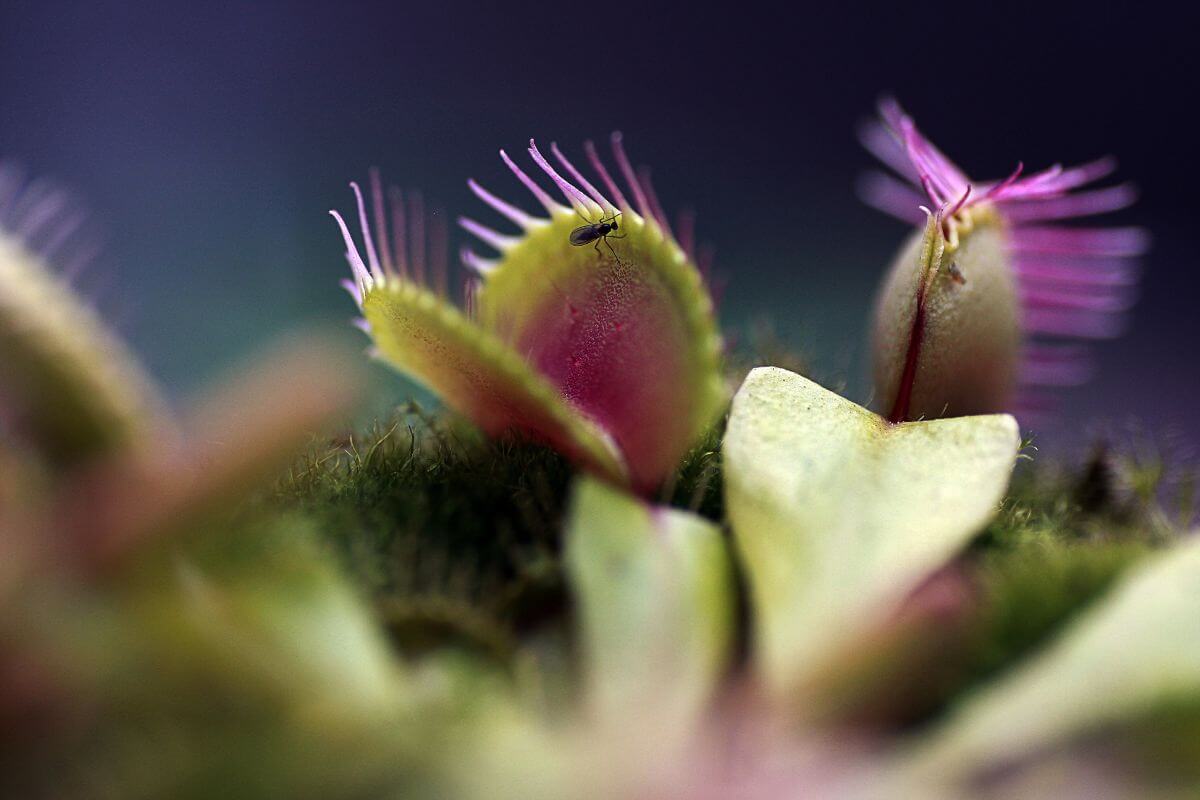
{"x":900,"y":408}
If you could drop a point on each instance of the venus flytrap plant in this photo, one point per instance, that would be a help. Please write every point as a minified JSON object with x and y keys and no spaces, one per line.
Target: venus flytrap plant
{"x":606,"y":350}
{"x":69,"y":383}
{"x":983,"y":308}
{"x":289,"y":645}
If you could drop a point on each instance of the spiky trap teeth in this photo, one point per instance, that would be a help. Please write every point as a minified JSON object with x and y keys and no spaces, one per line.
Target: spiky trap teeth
{"x":590,"y":328}
{"x":979,"y":310}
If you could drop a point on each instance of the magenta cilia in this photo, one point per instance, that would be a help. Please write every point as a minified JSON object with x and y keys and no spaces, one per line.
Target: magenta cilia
{"x":591,"y":330}
{"x":992,"y":300}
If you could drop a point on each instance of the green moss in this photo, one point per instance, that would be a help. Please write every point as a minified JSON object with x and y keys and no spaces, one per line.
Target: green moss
{"x":449,"y":533}
{"x":1061,"y":539}
{"x":1029,"y":592}
{"x":456,"y":537}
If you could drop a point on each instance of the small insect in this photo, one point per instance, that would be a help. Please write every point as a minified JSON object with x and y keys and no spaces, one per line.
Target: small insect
{"x":956,"y":274}
{"x":598,"y":232}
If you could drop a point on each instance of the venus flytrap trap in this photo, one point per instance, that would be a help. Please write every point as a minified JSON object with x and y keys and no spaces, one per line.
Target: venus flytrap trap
{"x":70,"y":385}
{"x":602,"y":345}
{"x":984,"y":307}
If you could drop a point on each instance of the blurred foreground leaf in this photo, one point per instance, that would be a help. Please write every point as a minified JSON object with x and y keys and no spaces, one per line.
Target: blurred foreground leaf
{"x":655,"y":594}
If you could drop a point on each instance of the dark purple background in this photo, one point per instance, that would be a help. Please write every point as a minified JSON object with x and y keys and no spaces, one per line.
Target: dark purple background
{"x":212,"y":137}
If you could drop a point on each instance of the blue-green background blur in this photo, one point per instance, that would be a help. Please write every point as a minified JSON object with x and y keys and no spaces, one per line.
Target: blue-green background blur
{"x":211,"y":138}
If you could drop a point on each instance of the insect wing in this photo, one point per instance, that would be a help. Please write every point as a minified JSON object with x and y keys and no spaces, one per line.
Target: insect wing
{"x":584,"y":234}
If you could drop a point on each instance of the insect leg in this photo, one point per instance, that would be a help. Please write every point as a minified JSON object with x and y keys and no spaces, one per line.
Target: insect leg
{"x":616,"y":257}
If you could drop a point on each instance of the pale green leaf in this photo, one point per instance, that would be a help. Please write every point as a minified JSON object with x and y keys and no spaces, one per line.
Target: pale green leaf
{"x":655,"y":598}
{"x":838,"y":514}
